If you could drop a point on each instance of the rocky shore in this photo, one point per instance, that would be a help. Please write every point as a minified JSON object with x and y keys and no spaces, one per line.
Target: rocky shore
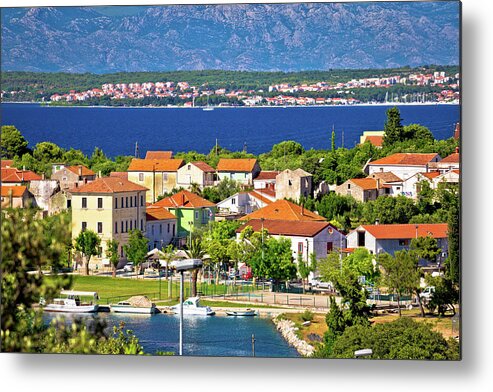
{"x":288,"y":330}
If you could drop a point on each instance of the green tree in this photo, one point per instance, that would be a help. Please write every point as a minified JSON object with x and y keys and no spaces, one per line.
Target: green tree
{"x":87,"y":243}
{"x":305,"y":267}
{"x":48,"y":152}
{"x":195,"y":250}
{"x":453,"y":262}
{"x":136,"y":248}
{"x":445,"y":296}
{"x":393,"y":127}
{"x":112,"y":255}
{"x":12,"y":143}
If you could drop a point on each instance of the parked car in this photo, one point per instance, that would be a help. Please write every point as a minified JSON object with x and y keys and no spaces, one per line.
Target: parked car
{"x":319,"y":284}
{"x":427,"y":292}
{"x":129,"y":267}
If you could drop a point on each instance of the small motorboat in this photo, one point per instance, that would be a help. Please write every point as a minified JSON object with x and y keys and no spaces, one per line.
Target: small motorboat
{"x":127,"y":307}
{"x":192,"y":306}
{"x":246,"y":312}
{"x":71,"y":302}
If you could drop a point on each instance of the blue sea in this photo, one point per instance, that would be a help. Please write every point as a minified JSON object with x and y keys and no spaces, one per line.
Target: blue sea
{"x":217,"y":336}
{"x":116,"y":130}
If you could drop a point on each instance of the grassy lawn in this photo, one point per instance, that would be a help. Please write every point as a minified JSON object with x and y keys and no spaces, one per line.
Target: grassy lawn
{"x":316,"y":327}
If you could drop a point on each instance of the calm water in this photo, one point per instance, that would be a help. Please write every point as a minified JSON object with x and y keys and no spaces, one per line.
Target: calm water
{"x":203,"y":335}
{"x":116,"y":130}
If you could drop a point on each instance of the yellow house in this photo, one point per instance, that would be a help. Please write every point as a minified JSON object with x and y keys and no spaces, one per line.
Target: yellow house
{"x":111,"y":207}
{"x":159,"y":176}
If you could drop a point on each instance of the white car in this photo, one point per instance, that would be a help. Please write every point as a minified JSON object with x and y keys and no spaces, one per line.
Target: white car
{"x":319,"y":284}
{"x":427,"y":292}
{"x":129,"y":267}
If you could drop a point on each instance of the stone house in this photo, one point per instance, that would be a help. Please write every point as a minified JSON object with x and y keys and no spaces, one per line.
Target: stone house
{"x":72,"y":176}
{"x":403,"y":165}
{"x":293,"y":184}
{"x":198,"y":173}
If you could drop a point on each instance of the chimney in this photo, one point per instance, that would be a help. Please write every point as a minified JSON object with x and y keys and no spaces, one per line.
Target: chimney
{"x":99,"y":174}
{"x":80,"y":170}
{"x":377,"y":221}
{"x":42,"y":176}
{"x":378,"y":183}
{"x":457,"y":149}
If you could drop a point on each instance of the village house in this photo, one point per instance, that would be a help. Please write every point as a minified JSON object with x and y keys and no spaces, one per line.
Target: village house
{"x":451,"y":162}
{"x":293,"y":184}
{"x":13,"y":176}
{"x":413,"y":185}
{"x":373,"y":137}
{"x":191,"y":212}
{"x":240,"y":170}
{"x":390,"y":183}
{"x":72,"y":176}
{"x":159,"y":155}
{"x":240,"y":204}
{"x":265,"y":179}
{"x":195,"y":173}
{"x":111,"y":207}
{"x":16,"y":196}
{"x":43,"y":192}
{"x":403,"y":165}
{"x":157,"y":175}
{"x":284,"y":210}
{"x":393,"y":237}
{"x":361,"y":189}
{"x":160,"y":227}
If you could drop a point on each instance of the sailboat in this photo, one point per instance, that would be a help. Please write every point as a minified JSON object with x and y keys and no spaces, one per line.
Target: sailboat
{"x":208,"y":108}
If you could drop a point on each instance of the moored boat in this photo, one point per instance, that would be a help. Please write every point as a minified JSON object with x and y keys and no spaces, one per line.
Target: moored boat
{"x":192,"y":306}
{"x":246,"y":312}
{"x":127,"y":307}
{"x":72,"y":302}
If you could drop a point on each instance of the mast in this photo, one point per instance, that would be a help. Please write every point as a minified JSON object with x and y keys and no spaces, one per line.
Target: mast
{"x":136,"y":149}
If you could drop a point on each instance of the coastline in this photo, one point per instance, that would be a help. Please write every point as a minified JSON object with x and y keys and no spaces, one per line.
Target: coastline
{"x":46,"y":104}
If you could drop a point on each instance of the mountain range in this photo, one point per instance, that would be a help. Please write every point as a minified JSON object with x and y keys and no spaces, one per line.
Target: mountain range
{"x":251,"y":37}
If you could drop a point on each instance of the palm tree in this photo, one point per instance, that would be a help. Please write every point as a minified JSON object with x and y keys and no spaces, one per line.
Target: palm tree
{"x":195,"y":251}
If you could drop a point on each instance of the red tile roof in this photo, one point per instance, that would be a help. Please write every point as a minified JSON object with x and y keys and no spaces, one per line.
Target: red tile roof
{"x":431,"y":175}
{"x":108,"y":185}
{"x":260,"y":197}
{"x":85,"y":171}
{"x":159,"y":155}
{"x":267,"y":192}
{"x":15,"y":175}
{"x":123,"y":175}
{"x":452,"y":158}
{"x":267,"y":175}
{"x":406,"y":159}
{"x":6,"y":163}
{"x":375,"y":140}
{"x":365,"y":183}
{"x":184,"y":199}
{"x":236,"y":165}
{"x":156,"y":213}
{"x":17,"y":191}
{"x":286,"y":227}
{"x":158,"y":165}
{"x":284,"y":210}
{"x":385,"y":177}
{"x":407,"y":231}
{"x":204,"y":167}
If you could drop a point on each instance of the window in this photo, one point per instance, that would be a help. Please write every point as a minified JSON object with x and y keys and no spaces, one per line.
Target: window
{"x":403,"y":242}
{"x":141,"y":201}
{"x":131,"y":223}
{"x":100,"y":202}
{"x":196,"y":215}
{"x":290,"y":183}
{"x":84,"y":202}
{"x":126,"y":202}
{"x":126,"y":226}
{"x":69,"y":203}
{"x":116,"y":227}
{"x":116,"y":203}
{"x":135,"y":201}
{"x":152,"y":229}
{"x":160,"y":228}
{"x":121,"y":205}
{"x":141,"y":225}
{"x":84,"y":226}
{"x":168,"y":227}
{"x":330,"y":246}
{"x":100,"y":227}
{"x":165,"y":176}
{"x":122,"y":231}
{"x":173,"y":229}
{"x":141,"y":176}
{"x":131,"y":201}
{"x":348,"y":186}
{"x":300,"y":247}
{"x":233,"y":201}
{"x":189,"y":167}
{"x":361,"y":238}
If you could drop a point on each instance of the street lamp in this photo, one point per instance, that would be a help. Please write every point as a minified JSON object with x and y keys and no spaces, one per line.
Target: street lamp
{"x":181,"y":267}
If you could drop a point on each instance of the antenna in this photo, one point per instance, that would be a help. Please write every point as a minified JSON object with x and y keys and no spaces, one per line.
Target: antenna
{"x":136,"y":149}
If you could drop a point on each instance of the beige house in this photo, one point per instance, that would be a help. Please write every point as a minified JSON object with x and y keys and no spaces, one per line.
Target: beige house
{"x":198,"y":173}
{"x":293,"y":184}
{"x":17,"y":196}
{"x":72,"y":176}
{"x":159,"y":176}
{"x":110,"y":207}
{"x":362,"y":189}
{"x":403,"y":165}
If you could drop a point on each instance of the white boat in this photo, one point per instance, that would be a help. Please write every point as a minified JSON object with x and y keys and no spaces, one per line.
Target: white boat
{"x":192,"y":306}
{"x":246,"y":312}
{"x":71,"y":302}
{"x":127,"y":307}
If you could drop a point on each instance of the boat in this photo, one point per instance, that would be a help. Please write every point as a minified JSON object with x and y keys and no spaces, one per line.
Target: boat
{"x":127,"y":307}
{"x":71,"y":302}
{"x":246,"y":312}
{"x":192,"y":306}
{"x":208,"y":108}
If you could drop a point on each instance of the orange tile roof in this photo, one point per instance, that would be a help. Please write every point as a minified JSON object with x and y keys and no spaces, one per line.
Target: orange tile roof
{"x":6,"y":163}
{"x":431,"y":175}
{"x":108,"y":185}
{"x":267,"y":175}
{"x":158,"y":165}
{"x":183,"y":199}
{"x":365,"y":183}
{"x":204,"y":167}
{"x":17,"y":191}
{"x":452,"y":158}
{"x":266,"y":191}
{"x":375,"y":140}
{"x":284,"y":210}
{"x":156,"y":213}
{"x":236,"y":165}
{"x":12,"y":174}
{"x":286,"y":227}
{"x":405,"y":159}
{"x":407,"y":231}
{"x":85,"y":171}
{"x":123,"y":175}
{"x":159,"y":154}
{"x":259,"y":196}
{"x":385,"y":177}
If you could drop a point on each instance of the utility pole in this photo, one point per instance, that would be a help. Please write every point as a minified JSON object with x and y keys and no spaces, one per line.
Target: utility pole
{"x":253,"y":345}
{"x":216,"y":146}
{"x":136,"y":149}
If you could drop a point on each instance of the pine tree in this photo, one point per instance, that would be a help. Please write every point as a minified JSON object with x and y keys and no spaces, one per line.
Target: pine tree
{"x":393,"y":127}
